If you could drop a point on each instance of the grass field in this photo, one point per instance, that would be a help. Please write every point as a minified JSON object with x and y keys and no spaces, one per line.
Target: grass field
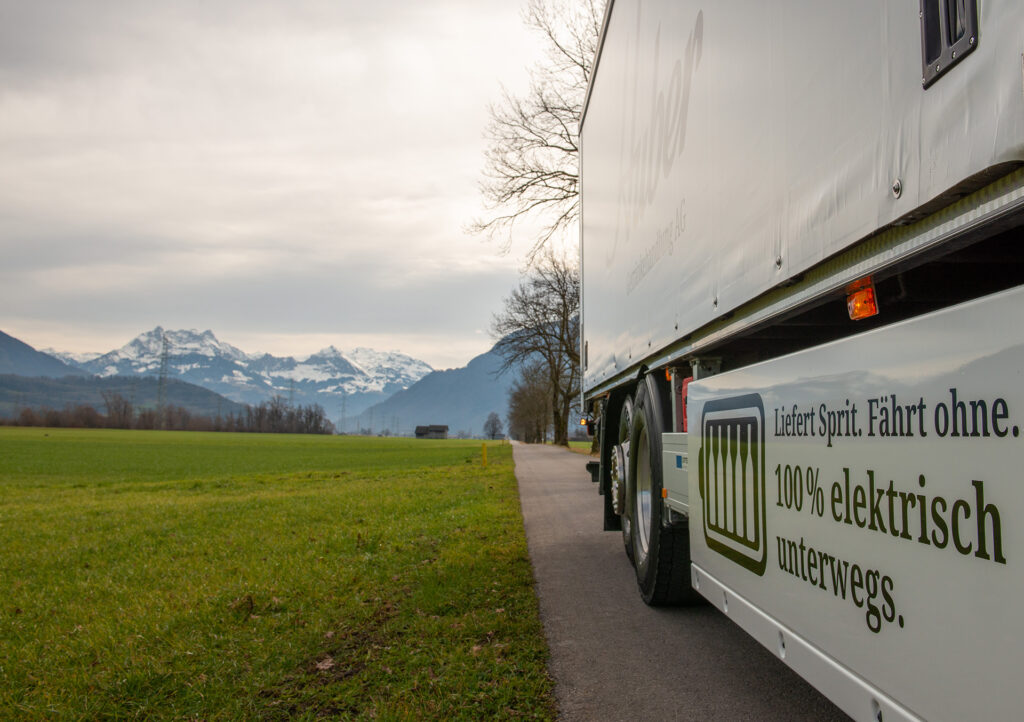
{"x":164,"y":575}
{"x":582,"y":447}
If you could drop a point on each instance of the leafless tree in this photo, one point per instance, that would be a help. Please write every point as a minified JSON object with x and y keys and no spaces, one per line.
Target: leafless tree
{"x":529,"y":405}
{"x":493,"y":426}
{"x":531,"y":165}
{"x":120,"y":411}
{"x":540,"y":325}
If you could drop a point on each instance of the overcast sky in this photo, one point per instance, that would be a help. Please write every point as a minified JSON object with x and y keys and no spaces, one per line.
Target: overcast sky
{"x":287,"y":173}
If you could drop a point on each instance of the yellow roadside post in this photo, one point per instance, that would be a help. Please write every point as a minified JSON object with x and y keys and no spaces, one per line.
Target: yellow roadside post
{"x":484,"y":450}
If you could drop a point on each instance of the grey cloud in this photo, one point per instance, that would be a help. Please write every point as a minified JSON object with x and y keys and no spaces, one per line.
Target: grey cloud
{"x":358,"y":297}
{"x":254,"y":164}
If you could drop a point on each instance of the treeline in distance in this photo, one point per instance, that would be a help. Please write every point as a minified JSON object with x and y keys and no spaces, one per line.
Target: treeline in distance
{"x":270,"y":417}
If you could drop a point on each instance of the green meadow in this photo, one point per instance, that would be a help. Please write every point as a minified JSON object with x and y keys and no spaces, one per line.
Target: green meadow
{"x":172,"y":575}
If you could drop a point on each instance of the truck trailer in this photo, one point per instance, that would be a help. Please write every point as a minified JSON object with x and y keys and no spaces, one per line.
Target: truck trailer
{"x":802,"y":313}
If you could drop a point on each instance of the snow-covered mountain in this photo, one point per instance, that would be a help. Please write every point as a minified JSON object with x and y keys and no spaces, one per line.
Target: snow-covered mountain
{"x":69,"y":357}
{"x":342,"y":383}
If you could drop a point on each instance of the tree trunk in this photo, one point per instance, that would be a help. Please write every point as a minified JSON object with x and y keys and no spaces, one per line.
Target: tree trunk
{"x":561,"y":421}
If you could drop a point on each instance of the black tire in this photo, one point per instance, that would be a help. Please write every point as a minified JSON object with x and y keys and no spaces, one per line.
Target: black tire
{"x":661,"y":553}
{"x":622,"y":434}
{"x":607,"y":429}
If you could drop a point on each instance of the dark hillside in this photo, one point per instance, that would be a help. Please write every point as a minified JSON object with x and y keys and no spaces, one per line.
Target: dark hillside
{"x":17,"y":357}
{"x":18,"y":392}
{"x":460,"y":399}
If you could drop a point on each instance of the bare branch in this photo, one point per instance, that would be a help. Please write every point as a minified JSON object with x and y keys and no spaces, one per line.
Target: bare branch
{"x":531,"y":166}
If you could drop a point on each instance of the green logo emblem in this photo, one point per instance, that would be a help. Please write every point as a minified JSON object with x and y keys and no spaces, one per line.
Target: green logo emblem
{"x":731,"y":465}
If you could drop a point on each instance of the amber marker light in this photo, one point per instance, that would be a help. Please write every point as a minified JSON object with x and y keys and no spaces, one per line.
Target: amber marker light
{"x":861,"y":301}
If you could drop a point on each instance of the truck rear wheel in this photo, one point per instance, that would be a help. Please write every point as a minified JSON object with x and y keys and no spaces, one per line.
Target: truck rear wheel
{"x":661,"y":552}
{"x":608,"y":430}
{"x":620,"y":473}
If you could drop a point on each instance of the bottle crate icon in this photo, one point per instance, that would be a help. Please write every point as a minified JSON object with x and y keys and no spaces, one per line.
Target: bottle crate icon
{"x":731,"y":468}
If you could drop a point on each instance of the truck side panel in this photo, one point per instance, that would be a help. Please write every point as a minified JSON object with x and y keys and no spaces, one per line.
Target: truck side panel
{"x":729,"y":147}
{"x":865,"y":496}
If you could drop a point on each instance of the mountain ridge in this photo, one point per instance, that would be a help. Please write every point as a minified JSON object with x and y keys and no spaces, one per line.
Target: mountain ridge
{"x":17,"y":357}
{"x":362,"y":389}
{"x":343,"y":384}
{"x":460,"y":399}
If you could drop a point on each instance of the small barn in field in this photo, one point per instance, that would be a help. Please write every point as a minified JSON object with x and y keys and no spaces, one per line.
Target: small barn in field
{"x":432,"y":432}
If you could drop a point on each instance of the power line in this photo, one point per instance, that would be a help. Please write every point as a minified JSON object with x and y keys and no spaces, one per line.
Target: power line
{"x":161,"y":389}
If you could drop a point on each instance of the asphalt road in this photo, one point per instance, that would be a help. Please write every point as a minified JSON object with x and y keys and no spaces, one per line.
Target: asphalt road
{"x":612,"y":656}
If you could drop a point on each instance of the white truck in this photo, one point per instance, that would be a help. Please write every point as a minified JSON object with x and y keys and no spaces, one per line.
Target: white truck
{"x":803,"y":332}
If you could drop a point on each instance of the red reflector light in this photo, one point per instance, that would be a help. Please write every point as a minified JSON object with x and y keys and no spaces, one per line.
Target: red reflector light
{"x":862,"y":303}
